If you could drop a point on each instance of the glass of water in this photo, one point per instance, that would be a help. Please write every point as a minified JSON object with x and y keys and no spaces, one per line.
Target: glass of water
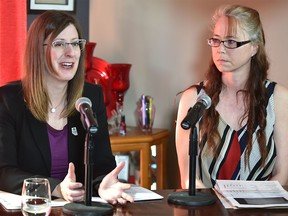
{"x":36,"y":197}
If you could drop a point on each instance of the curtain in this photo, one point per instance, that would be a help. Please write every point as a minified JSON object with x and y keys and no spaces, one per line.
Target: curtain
{"x":13,"y":27}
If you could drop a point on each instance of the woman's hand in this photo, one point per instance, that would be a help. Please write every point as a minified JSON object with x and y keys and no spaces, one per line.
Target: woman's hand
{"x":112,"y":190}
{"x":69,"y":189}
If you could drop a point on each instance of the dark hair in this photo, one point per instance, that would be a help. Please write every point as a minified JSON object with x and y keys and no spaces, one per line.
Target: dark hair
{"x":46,"y":27}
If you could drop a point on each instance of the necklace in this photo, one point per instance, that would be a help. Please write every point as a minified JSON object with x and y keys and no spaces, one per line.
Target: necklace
{"x":53,"y":109}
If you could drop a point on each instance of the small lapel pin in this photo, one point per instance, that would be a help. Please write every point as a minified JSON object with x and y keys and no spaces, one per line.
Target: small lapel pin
{"x":74,"y":131}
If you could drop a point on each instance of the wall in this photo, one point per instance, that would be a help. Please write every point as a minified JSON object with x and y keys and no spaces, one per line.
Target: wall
{"x":165,"y":41}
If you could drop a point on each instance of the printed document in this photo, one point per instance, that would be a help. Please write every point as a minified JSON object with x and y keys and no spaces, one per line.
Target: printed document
{"x":252,"y":194}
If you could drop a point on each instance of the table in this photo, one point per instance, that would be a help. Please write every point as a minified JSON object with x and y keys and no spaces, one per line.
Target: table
{"x":137,"y":140}
{"x":162,"y":207}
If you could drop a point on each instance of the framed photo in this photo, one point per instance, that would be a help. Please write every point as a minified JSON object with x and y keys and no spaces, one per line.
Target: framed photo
{"x":39,"y":6}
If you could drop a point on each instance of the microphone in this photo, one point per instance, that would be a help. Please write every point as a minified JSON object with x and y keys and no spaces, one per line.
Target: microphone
{"x":193,"y":197}
{"x":196,"y":112}
{"x":83,"y":105}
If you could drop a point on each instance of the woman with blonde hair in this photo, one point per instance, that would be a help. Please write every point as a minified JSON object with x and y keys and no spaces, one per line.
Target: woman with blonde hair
{"x":243,"y":135}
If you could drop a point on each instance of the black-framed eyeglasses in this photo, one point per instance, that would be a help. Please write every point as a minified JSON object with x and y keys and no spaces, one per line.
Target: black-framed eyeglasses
{"x":78,"y":44}
{"x":230,"y":44}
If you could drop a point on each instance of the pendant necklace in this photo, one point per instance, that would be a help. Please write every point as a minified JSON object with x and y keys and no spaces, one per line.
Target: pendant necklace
{"x":53,"y":109}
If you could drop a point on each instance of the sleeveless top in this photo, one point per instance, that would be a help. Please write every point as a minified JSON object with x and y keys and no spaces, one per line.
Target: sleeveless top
{"x":230,"y":163}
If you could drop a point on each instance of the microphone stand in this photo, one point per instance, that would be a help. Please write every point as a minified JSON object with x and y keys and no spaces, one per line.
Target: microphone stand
{"x":89,"y":162}
{"x":192,"y":197}
{"x":88,"y":207}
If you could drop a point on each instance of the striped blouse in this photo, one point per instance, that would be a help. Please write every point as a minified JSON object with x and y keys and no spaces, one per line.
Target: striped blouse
{"x":231,"y":164}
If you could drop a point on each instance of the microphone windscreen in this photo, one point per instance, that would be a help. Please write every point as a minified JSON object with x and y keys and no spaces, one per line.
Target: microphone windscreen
{"x":82,"y":100}
{"x":206,"y":99}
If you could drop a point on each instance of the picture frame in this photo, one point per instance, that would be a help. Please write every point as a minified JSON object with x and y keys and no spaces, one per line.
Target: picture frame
{"x":39,"y":6}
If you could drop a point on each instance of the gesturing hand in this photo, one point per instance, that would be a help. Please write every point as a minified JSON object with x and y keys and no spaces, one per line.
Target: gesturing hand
{"x":71,"y":190}
{"x":112,"y":190}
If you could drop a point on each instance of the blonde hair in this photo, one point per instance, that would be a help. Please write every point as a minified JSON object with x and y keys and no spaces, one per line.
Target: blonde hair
{"x":254,"y":92}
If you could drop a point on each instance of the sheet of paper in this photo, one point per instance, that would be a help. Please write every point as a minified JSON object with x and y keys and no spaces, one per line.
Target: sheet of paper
{"x":253,"y":194}
{"x":10,"y":201}
{"x":224,"y":201}
{"x":13,"y":201}
{"x":140,"y":194}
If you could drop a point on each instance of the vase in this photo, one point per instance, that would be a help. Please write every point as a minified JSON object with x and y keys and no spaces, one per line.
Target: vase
{"x":97,"y":71}
{"x":145,"y":112}
{"x":99,"y":74}
{"x":119,"y":76}
{"x":120,"y":84}
{"x":89,"y":49}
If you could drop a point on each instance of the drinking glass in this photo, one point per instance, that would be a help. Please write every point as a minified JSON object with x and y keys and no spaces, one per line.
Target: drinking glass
{"x":36,"y":197}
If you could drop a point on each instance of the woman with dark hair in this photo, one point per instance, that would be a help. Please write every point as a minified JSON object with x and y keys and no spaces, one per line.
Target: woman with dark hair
{"x":41,"y":133}
{"x":243,"y":134}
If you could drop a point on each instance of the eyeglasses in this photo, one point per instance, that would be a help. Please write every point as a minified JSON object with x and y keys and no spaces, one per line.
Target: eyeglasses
{"x":78,"y":44}
{"x":230,"y":44}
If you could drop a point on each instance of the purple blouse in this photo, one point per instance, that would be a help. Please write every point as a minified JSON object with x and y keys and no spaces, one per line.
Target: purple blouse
{"x":59,"y":151}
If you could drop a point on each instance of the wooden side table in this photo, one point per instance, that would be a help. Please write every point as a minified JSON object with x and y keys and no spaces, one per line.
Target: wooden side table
{"x":137,"y":140}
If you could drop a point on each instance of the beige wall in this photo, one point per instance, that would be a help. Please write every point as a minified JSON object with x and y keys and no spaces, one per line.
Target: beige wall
{"x":165,"y":41}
